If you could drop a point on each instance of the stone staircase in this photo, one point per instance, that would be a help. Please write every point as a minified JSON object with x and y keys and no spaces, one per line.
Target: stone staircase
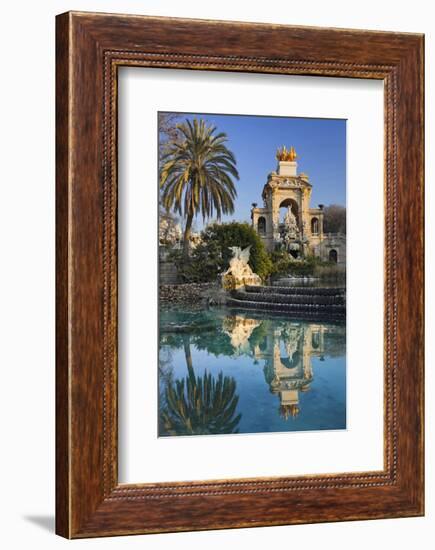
{"x":297,"y":301}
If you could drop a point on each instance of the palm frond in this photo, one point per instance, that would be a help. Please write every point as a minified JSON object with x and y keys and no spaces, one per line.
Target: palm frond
{"x":197,"y":173}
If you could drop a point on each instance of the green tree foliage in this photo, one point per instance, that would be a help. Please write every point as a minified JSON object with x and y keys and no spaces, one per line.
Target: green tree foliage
{"x":224,"y":236}
{"x":212,"y":256}
{"x":196,"y":175}
{"x":283,"y":263}
{"x":198,"y":405}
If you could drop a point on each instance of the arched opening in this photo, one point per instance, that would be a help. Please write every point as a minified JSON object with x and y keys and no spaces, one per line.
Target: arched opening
{"x":333,"y":256}
{"x":283,"y":207}
{"x":315,"y":340}
{"x":292,"y":363}
{"x":261,"y":225}
{"x":263,"y":345}
{"x":314,"y":226}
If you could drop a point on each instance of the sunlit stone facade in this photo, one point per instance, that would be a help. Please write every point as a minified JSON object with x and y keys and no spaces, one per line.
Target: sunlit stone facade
{"x":300,"y":229}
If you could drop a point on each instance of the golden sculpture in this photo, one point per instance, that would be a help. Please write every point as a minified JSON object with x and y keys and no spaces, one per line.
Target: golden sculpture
{"x":286,"y":155}
{"x":286,"y":411}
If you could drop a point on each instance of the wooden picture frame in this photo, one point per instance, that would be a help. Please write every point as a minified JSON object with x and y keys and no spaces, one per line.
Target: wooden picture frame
{"x":89,"y":50}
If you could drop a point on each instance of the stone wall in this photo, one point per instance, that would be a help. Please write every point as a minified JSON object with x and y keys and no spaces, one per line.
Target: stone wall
{"x":168,"y":273}
{"x":193,"y":293}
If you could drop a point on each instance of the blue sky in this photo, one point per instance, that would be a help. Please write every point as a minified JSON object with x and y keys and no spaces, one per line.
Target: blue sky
{"x":319,"y":143}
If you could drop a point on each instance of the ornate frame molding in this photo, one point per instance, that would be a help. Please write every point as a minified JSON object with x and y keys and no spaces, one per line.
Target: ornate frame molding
{"x":90,"y":502}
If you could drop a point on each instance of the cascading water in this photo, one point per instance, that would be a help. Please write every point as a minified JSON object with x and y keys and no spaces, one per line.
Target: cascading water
{"x":300,"y":301}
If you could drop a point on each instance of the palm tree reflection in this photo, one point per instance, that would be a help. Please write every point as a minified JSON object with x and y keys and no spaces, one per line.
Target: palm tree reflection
{"x":207,"y":404}
{"x":198,"y":405}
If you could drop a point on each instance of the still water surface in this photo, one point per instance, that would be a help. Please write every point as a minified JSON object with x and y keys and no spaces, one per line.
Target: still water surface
{"x":223,"y":371}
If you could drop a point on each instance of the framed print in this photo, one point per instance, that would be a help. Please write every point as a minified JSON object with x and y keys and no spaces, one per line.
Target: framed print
{"x":239,"y":275}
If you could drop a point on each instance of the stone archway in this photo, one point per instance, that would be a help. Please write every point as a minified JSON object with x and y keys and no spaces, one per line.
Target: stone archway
{"x":283,"y":209}
{"x":314,"y":226}
{"x":333,"y":256}
{"x":261,"y":225}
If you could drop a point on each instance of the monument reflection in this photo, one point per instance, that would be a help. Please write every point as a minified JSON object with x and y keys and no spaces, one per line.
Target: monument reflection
{"x":286,"y":349}
{"x":255,"y":357}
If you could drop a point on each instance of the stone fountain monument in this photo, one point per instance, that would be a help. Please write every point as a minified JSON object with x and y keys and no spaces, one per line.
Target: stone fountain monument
{"x":239,"y":273}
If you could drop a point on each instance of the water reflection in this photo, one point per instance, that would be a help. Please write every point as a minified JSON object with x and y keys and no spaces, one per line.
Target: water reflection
{"x":224,"y":372}
{"x":288,"y":368}
{"x":199,"y":405}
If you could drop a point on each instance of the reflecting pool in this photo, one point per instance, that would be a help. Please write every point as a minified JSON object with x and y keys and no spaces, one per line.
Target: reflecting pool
{"x":223,"y":371}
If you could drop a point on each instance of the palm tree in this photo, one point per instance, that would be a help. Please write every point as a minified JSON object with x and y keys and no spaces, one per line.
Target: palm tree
{"x":196,"y":175}
{"x":199,"y":405}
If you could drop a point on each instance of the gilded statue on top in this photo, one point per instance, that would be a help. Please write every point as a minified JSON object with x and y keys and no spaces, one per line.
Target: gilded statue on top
{"x":287,"y":155}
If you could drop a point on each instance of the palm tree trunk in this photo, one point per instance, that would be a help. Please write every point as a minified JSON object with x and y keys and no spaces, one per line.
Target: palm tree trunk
{"x":187,"y":232}
{"x":188,"y":356}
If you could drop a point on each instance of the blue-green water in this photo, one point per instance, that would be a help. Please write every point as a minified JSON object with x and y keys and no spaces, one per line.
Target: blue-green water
{"x":223,"y":371}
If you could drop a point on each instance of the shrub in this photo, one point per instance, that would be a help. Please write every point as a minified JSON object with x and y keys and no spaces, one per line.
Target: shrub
{"x":283,"y":263}
{"x":212,"y":256}
{"x":200,"y":267}
{"x":225,"y":235}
